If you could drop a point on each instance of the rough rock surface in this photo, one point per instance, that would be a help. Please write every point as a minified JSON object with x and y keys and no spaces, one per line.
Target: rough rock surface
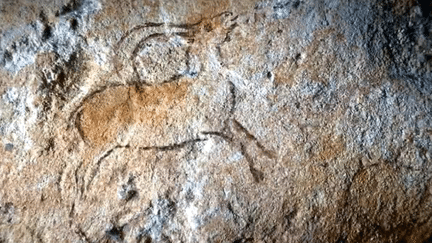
{"x":215,"y":121}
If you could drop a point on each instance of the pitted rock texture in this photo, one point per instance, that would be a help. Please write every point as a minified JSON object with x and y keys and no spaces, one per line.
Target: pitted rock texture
{"x":215,"y":121}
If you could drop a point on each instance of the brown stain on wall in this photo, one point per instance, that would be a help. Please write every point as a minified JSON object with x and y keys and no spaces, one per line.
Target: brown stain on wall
{"x":286,"y":72}
{"x":330,"y":148}
{"x":401,"y":7}
{"x":322,"y":62}
{"x":109,"y":112}
{"x":152,"y":105}
{"x":104,"y":114}
{"x":377,"y":192}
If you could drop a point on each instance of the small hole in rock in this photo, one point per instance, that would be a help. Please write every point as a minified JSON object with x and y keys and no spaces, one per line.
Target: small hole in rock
{"x":7,"y":56}
{"x":296,"y":4}
{"x":269,"y":74}
{"x":74,"y":24}
{"x":47,"y":32}
{"x":115,"y":233}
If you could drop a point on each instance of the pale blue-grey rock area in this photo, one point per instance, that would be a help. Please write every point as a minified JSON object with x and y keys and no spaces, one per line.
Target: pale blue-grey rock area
{"x":215,"y":121}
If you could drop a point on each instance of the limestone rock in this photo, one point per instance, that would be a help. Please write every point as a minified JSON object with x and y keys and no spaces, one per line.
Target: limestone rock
{"x":215,"y":121}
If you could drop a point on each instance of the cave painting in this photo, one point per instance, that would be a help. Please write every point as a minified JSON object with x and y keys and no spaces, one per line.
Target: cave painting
{"x":169,"y":96}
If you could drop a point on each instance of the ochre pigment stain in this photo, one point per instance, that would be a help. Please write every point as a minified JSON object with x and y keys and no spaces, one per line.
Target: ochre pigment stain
{"x":107,"y":113}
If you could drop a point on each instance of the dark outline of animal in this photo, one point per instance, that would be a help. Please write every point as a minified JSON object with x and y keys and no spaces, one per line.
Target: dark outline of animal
{"x":230,"y":124}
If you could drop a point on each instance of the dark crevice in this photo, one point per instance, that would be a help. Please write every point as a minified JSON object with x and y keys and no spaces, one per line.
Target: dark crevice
{"x":429,"y":240}
{"x":296,"y":4}
{"x":74,"y":24}
{"x":73,"y":5}
{"x":289,"y":217}
{"x":82,"y":234}
{"x":47,"y":32}
{"x":269,"y":75}
{"x":115,"y":233}
{"x":426,"y":8}
{"x":7,"y":56}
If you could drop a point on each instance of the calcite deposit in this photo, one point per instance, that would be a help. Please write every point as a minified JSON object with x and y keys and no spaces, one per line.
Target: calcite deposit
{"x":215,"y":121}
